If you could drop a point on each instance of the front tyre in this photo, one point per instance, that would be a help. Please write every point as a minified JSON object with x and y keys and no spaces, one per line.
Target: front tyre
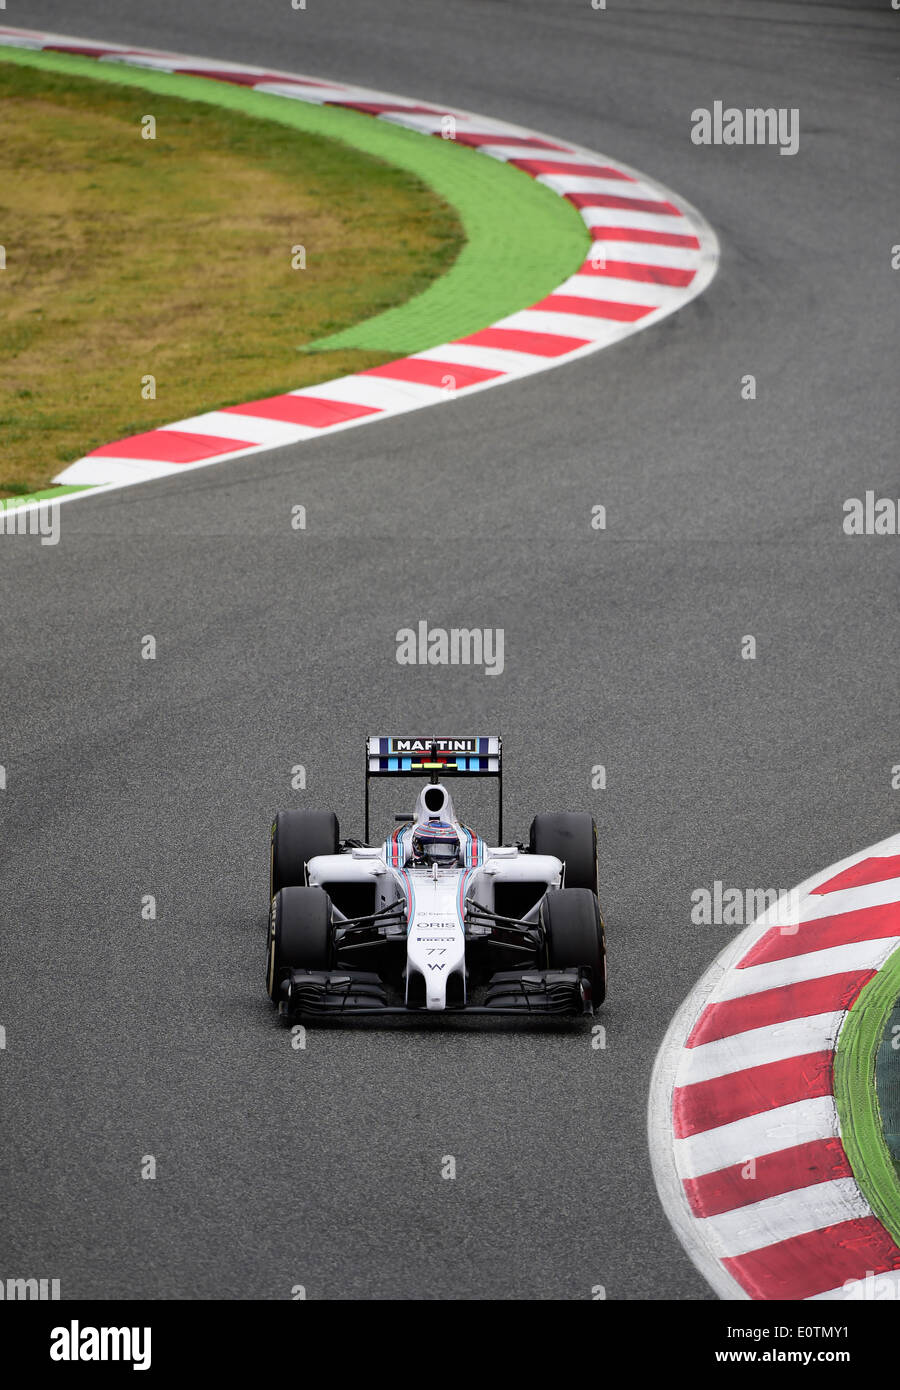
{"x":297,"y":837}
{"x":574,"y":935}
{"x":572,"y":837}
{"x":301,"y":935}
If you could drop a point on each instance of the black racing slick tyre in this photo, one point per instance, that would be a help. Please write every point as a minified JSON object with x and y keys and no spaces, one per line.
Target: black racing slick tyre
{"x":297,"y":837}
{"x":301,"y":935}
{"x":575,"y":936}
{"x":572,"y":837}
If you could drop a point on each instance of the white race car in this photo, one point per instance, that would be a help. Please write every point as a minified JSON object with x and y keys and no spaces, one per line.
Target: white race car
{"x":434,"y":919}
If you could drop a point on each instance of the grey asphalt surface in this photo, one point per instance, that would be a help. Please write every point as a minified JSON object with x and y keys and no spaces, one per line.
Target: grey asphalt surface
{"x":126,"y":1037}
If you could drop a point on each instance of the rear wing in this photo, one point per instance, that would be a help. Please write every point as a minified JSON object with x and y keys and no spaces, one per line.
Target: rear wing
{"x":476,"y":755}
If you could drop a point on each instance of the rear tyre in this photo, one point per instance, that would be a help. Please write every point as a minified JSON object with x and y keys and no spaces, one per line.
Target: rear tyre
{"x":301,"y":935}
{"x":297,"y":837}
{"x":574,"y":935}
{"x":572,"y":837}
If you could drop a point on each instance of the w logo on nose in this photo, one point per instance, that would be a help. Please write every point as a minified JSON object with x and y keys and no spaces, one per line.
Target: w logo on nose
{"x":434,"y":965}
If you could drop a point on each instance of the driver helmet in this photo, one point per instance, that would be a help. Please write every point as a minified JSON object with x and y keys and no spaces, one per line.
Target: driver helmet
{"x":436,"y":843}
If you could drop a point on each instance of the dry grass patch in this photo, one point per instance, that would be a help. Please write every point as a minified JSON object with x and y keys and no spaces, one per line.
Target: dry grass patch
{"x":171,"y":258}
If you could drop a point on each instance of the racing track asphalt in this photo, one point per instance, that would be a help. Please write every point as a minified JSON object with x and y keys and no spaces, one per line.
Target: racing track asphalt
{"x":275,"y":647}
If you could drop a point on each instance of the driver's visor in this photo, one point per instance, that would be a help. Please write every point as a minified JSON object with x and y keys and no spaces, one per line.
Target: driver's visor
{"x":441,"y":851}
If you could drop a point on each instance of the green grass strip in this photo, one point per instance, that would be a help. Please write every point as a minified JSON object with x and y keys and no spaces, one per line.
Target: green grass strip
{"x":14,"y":503}
{"x":887,"y":1084}
{"x":857,"y":1099}
{"x":522,"y":240}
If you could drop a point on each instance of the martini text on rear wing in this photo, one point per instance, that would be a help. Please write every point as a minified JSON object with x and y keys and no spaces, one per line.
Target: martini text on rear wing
{"x":475,"y":754}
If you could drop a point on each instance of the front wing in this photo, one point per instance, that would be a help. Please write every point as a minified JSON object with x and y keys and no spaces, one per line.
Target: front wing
{"x":321,"y":993}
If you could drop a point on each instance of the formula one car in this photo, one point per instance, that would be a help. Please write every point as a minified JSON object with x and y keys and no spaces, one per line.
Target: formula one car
{"x":449,"y":923}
